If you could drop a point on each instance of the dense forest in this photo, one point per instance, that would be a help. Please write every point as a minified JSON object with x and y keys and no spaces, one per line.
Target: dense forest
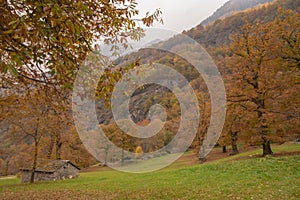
{"x":256,"y":50}
{"x":261,"y":101}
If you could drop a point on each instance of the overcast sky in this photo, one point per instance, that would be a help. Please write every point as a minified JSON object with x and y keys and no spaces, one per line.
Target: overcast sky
{"x":179,"y":15}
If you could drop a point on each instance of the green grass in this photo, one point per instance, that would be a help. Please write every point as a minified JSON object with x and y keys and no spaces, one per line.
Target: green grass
{"x":288,"y":147}
{"x":10,"y":181}
{"x":256,"y":178}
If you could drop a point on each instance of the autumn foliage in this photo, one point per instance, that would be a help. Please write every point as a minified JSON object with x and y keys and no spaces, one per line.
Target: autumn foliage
{"x":257,"y":52}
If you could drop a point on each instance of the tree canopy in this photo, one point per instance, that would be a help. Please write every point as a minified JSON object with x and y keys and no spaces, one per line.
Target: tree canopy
{"x":46,"y":41}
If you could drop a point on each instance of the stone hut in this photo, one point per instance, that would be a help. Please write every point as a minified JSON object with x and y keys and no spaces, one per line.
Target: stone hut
{"x":51,"y":170}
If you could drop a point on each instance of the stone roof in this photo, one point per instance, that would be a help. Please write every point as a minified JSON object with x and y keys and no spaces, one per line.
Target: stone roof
{"x":50,"y":166}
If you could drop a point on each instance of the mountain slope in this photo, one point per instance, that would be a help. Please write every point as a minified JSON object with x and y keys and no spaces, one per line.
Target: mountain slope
{"x":232,"y":6}
{"x":218,"y":33}
{"x":212,"y":36}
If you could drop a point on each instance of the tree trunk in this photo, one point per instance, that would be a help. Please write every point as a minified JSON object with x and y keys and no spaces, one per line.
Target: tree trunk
{"x":202,"y":154}
{"x":233,"y":143}
{"x":34,"y":160}
{"x":51,"y":146}
{"x":122,"y":156}
{"x":266,"y":147}
{"x":266,"y":142}
{"x":58,"y":147}
{"x":6,"y":167}
{"x":234,"y":149}
{"x":145,"y":145}
{"x":264,"y":129}
{"x":202,"y":146}
{"x":106,"y":154}
{"x":202,"y":134}
{"x":224,"y":149}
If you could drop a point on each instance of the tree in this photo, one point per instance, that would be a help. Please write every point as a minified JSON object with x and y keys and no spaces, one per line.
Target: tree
{"x":46,"y":41}
{"x":249,"y":49}
{"x":261,"y":70}
{"x":203,"y":130}
{"x":286,"y":30}
{"x":32,"y":119}
{"x":6,"y":156}
{"x":43,"y":44}
{"x":31,"y":125}
{"x":59,"y":121}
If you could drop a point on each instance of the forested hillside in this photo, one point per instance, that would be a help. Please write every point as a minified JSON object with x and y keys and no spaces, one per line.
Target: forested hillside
{"x":256,"y":105}
{"x":257,"y":52}
{"x":231,"y":7}
{"x":219,"y":32}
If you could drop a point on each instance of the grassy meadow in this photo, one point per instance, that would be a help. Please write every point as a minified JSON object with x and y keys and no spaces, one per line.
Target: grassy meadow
{"x":274,"y":177}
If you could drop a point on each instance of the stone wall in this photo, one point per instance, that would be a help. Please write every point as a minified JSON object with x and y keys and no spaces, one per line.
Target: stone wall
{"x":38,"y":176}
{"x":67,"y":171}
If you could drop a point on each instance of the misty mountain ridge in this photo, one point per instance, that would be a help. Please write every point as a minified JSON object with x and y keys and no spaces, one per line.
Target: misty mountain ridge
{"x":231,"y":7}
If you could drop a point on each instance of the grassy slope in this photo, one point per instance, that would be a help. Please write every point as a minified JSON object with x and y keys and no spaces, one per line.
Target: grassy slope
{"x":257,"y":178}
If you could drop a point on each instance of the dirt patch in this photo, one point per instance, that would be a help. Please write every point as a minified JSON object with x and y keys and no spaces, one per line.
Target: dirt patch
{"x":278,"y":154}
{"x":96,"y":168}
{"x":8,"y":177}
{"x":215,"y":154}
